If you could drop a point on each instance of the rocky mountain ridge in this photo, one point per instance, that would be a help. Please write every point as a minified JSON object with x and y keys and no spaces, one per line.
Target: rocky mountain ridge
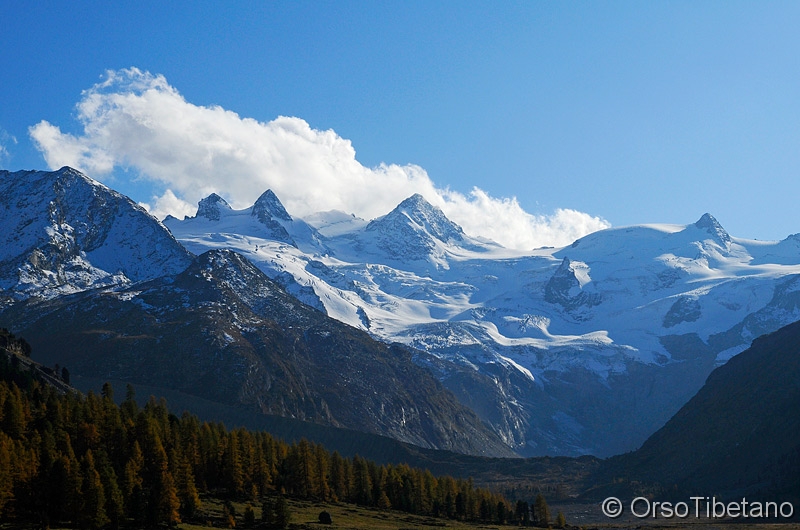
{"x":213,"y":326}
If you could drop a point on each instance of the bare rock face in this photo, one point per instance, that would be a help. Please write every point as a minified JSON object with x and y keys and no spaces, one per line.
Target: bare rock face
{"x":211,"y":207}
{"x":738,"y":435}
{"x":270,"y":212}
{"x":567,"y":290}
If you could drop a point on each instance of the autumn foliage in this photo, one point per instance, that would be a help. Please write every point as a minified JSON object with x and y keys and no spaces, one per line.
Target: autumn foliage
{"x":86,"y":461}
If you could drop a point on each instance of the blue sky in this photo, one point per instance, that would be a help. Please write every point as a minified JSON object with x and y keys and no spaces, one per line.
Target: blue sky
{"x":586,"y":113}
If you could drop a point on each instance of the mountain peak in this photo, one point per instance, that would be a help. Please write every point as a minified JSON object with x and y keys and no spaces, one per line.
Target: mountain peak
{"x":268,"y":206}
{"x":708,"y":223}
{"x":210,"y":207}
{"x":427,"y":216}
{"x":64,"y":232}
{"x":416,"y":201}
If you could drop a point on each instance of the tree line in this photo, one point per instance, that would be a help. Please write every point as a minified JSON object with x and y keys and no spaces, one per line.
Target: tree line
{"x":86,"y":461}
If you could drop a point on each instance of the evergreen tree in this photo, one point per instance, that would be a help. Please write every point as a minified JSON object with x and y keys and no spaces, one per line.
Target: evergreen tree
{"x":92,"y":511}
{"x":115,"y":502}
{"x":522,"y":513}
{"x":485,"y":511}
{"x":6,"y":470}
{"x":13,"y":423}
{"x":147,"y":464}
{"x":187,"y":490}
{"x":541,"y":512}
{"x":561,"y":521}
{"x":338,"y":477}
{"x":362,"y":483}
{"x":501,"y":512}
{"x":232,"y":465}
{"x":132,"y":483}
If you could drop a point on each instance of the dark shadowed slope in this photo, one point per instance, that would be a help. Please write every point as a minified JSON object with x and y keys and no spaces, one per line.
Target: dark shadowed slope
{"x":223,"y":331}
{"x":740,"y":434}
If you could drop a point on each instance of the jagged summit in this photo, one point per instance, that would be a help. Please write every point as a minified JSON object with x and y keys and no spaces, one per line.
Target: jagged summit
{"x":268,"y":206}
{"x":424,"y":216}
{"x":415,"y":230}
{"x":211,"y":206}
{"x":708,"y":223}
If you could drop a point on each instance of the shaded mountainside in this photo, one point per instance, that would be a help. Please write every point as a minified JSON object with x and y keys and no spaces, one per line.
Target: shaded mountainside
{"x":223,"y":331}
{"x":739,"y":435}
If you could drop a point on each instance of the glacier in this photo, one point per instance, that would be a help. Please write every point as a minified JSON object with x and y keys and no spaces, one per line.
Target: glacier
{"x":630,"y":316}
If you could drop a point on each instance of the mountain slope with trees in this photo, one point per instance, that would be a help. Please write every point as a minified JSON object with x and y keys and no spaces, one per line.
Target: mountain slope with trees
{"x":65,"y":457}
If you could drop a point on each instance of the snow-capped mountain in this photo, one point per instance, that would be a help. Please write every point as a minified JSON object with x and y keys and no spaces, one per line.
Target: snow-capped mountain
{"x":588,"y":348}
{"x":94,"y":282}
{"x":63,"y":233}
{"x":583,"y":349}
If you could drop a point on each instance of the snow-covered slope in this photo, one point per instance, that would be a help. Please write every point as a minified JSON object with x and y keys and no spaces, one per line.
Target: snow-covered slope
{"x":587,"y":348}
{"x":63,"y":232}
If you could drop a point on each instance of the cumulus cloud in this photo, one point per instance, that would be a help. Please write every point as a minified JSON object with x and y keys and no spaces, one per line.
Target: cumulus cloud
{"x":136,"y":120}
{"x":169,"y":204}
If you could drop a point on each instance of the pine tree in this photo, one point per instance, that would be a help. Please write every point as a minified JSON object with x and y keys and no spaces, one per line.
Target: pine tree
{"x":92,"y":511}
{"x":362,"y":483}
{"x":322,"y":457}
{"x":187,"y":490}
{"x":501,"y":512}
{"x":13,"y":423}
{"x":6,"y":472}
{"x":485,"y":511}
{"x":338,"y":477}
{"x":541,"y":512}
{"x":115,"y":502}
{"x":522,"y":512}
{"x":132,"y":483}
{"x":232,"y":465}
{"x":249,"y":516}
{"x":561,"y":521}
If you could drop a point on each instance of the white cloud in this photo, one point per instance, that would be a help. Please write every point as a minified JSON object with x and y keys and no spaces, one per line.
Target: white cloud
{"x":5,"y":139}
{"x":169,"y":204}
{"x":505,"y":221}
{"x":136,"y":120}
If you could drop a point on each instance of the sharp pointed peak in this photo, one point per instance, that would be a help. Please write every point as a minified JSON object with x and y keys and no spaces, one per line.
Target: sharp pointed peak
{"x":269,"y":206}
{"x":708,"y":223}
{"x":416,"y":199}
{"x":210,"y":207}
{"x":706,"y":220}
{"x":421,"y":213}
